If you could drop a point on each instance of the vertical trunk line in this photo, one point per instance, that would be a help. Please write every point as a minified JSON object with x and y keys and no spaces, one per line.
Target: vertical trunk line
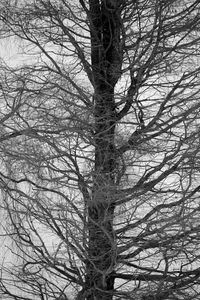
{"x":101,"y":248}
{"x":106,"y":63}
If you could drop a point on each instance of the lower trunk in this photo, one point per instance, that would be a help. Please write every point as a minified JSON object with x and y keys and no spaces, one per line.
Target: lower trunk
{"x":101,"y":253}
{"x":101,"y":240}
{"x":101,"y":244}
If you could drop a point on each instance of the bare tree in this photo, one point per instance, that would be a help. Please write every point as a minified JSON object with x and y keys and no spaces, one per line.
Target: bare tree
{"x":100,"y":149}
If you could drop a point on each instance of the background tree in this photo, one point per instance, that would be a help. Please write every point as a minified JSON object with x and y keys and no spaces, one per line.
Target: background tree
{"x":100,"y":149}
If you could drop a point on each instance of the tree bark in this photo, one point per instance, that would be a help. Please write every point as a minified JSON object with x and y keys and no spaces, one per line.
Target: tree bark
{"x":106,"y":66}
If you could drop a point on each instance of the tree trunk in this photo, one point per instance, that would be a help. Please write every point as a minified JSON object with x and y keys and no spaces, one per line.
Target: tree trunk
{"x":106,"y":65}
{"x":101,"y":252}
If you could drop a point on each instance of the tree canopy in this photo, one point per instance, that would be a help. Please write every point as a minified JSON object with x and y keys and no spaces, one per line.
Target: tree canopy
{"x":100,"y":119}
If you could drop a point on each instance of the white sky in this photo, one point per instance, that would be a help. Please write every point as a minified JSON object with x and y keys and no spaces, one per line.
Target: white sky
{"x":11,"y":53}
